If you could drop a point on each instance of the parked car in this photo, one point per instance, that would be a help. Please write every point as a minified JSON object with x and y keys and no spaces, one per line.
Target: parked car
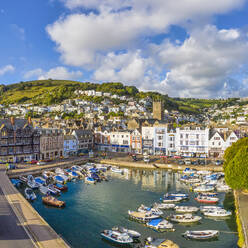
{"x":41,"y":163}
{"x":187,"y":161}
{"x":177,"y":156}
{"x":180,"y":162}
{"x":33,"y":161}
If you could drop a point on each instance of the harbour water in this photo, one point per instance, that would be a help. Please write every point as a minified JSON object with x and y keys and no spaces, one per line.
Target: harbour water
{"x":92,"y":208}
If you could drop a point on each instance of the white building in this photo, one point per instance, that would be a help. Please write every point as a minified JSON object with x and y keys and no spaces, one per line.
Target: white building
{"x":70,"y":145}
{"x":120,"y":141}
{"x":192,"y":141}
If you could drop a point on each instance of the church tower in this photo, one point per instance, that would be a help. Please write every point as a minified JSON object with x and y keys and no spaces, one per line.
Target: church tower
{"x":158,"y":110}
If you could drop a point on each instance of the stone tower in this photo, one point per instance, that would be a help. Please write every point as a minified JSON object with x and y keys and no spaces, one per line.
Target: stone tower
{"x":158,"y":110}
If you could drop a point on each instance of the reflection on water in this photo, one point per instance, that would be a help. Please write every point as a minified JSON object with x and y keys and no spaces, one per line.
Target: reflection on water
{"x":92,"y":208}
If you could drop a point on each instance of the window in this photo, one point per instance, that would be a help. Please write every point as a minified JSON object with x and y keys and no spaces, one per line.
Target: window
{"x":122,"y":136}
{"x":181,"y":136}
{"x":197,"y":136}
{"x":160,"y":137}
{"x":216,"y":138}
{"x":213,"y":143}
{"x":219,"y":143}
{"x":187,"y":143}
{"x":181,"y":142}
{"x":160,"y":144}
{"x":197,"y":143}
{"x":125,"y":142}
{"x":113,"y":135}
{"x":187,"y":136}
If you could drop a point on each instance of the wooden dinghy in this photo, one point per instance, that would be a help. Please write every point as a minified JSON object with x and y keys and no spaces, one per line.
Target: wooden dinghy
{"x":52,"y":201}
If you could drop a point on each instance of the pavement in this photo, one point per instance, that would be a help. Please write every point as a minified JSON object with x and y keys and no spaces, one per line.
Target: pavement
{"x":243,"y":210}
{"x":26,"y":227}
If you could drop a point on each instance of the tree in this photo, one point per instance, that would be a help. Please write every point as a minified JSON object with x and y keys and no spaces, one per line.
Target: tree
{"x":236,"y":171}
{"x":236,"y":164}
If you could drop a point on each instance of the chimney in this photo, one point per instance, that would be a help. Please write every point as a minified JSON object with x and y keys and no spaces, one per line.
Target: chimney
{"x":29,"y":120}
{"x":12,"y":120}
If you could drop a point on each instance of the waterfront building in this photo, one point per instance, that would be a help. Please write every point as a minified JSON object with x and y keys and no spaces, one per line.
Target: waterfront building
{"x":120,"y":141}
{"x":85,"y":139}
{"x":147,"y":140}
{"x":102,"y":140}
{"x":70,"y":145}
{"x":192,"y":141}
{"x":19,"y":141}
{"x":136,"y":142}
{"x":160,"y":140}
{"x":171,"y":142}
{"x":51,"y":143}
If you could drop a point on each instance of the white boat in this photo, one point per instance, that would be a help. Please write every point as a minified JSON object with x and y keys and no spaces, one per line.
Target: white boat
{"x":210,"y":208}
{"x":116,"y":170}
{"x":66,"y":178}
{"x":90,"y":180}
{"x":116,"y":237}
{"x":185,"y":218}
{"x":203,"y":172}
{"x":145,"y":209}
{"x":29,"y":194}
{"x":53,"y":190}
{"x":31,"y":182}
{"x":207,"y":199}
{"x":186,"y":209}
{"x":143,"y":217}
{"x":164,"y":205}
{"x":133,"y":234}
{"x":59,"y":179}
{"x":204,"y":188}
{"x":160,"y":225}
{"x":40,"y":180}
{"x":44,"y":190}
{"x":48,"y":174}
{"x":188,"y":171}
{"x":222,"y":188}
{"x":201,"y":235}
{"x":217,"y":213}
{"x":77,"y":168}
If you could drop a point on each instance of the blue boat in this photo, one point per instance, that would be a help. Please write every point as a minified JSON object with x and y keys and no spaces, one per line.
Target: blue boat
{"x":90,"y":180}
{"x":61,"y":187}
{"x":40,"y":180}
{"x":160,"y":224}
{"x":16,"y":182}
{"x":59,"y":179}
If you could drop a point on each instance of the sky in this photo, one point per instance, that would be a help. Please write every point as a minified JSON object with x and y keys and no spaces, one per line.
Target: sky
{"x":183,"y":48}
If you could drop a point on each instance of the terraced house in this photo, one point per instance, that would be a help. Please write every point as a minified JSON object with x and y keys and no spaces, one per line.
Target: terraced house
{"x":19,"y":141}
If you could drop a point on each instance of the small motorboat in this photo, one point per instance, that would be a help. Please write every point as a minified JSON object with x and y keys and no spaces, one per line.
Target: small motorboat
{"x":185,"y":218}
{"x":159,"y":243}
{"x":59,"y":171}
{"x":209,"y":194}
{"x":53,"y":190}
{"x":160,"y":225}
{"x":76,"y":168}
{"x":207,"y":199}
{"x":31,"y":182}
{"x":222,"y":188}
{"x":48,"y":174}
{"x":186,"y":209}
{"x":203,"y":172}
{"x":40,"y":181}
{"x":210,"y":208}
{"x":117,"y":237}
{"x":29,"y":194}
{"x":204,"y":188}
{"x":52,"y":201}
{"x":16,"y":182}
{"x":44,"y":190}
{"x":164,"y":205}
{"x":142,"y":217}
{"x":170,"y":199}
{"x":145,"y":209}
{"x":221,"y":213}
{"x":185,"y":196}
{"x":89,"y":180}
{"x":61,"y":187}
{"x":201,"y":235}
{"x":188,"y":171}
{"x":65,"y":177}
{"x":72,"y":174}
{"x":59,"y":179}
{"x":23,"y":179}
{"x":116,"y":170}
{"x":133,"y":234}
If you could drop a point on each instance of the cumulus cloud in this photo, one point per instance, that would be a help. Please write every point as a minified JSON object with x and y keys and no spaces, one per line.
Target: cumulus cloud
{"x":59,"y":72}
{"x":5,"y":69}
{"x":80,"y":37}
{"x":204,"y":62}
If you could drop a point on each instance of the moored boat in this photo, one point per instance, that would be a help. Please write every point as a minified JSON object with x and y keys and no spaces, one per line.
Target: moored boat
{"x":29,"y":194}
{"x":40,"y":181}
{"x":143,"y":217}
{"x":201,"y":235}
{"x":207,"y":199}
{"x":133,"y":234}
{"x":53,"y":190}
{"x":16,"y":182}
{"x":222,"y":188}
{"x":145,"y":209}
{"x":186,"y":209}
{"x":210,"y":208}
{"x":164,"y":205}
{"x":116,"y":170}
{"x":31,"y":182}
{"x":160,"y":225}
{"x":44,"y":190}
{"x":204,"y":188}
{"x":89,"y":180}
{"x":185,"y":218}
{"x":61,"y":187}
{"x":217,"y":213}
{"x":117,"y":237}
{"x":59,"y":179}
{"x":52,"y":201}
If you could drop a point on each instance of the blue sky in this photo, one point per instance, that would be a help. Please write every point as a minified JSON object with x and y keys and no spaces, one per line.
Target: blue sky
{"x":184,"y":48}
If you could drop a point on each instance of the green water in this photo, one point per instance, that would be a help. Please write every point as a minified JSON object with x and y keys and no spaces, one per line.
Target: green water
{"x":92,"y":208}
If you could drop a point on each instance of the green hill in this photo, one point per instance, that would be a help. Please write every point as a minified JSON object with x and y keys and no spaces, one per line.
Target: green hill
{"x":47,"y":92}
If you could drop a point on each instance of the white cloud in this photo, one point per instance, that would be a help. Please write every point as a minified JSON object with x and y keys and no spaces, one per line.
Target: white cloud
{"x":59,"y":72}
{"x":19,"y":31}
{"x":6,"y":69}
{"x":81,"y":37}
{"x":202,"y":65}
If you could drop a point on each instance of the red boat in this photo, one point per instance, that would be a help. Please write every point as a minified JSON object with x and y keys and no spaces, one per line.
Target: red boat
{"x":61,"y":187}
{"x":207,"y":199}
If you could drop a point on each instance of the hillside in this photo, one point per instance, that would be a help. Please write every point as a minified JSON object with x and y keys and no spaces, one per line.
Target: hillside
{"x":47,"y":92}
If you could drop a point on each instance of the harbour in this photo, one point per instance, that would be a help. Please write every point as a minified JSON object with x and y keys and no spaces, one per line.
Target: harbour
{"x":90,"y":209}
